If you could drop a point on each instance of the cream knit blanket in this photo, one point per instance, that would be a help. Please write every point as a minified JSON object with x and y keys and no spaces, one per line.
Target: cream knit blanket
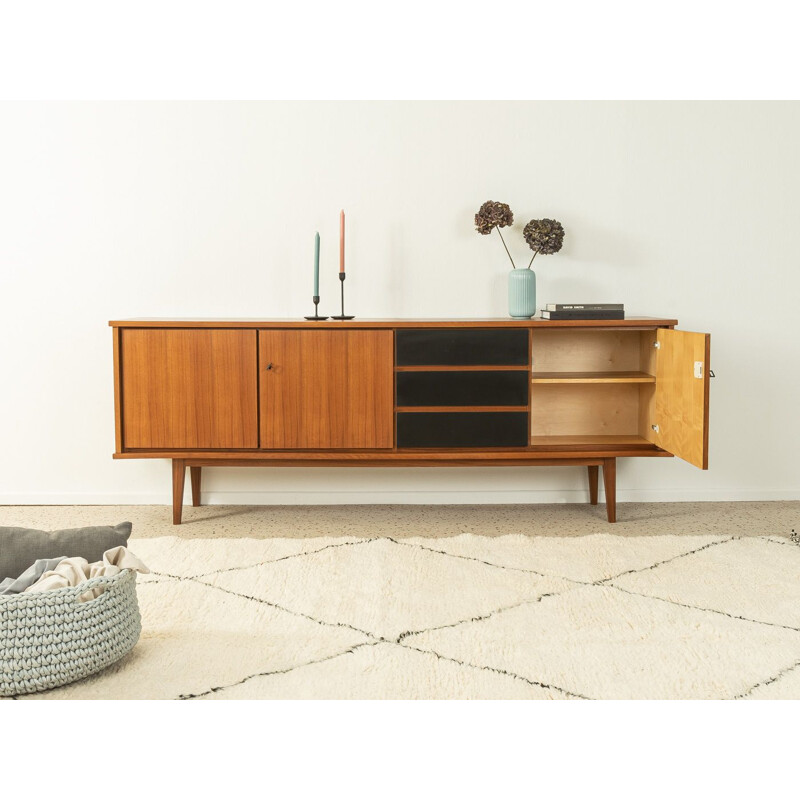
{"x":72,"y":571}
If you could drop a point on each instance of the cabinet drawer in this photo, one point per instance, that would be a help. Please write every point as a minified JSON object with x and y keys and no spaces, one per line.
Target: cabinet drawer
{"x":462,"y":429}
{"x":495,"y":388}
{"x":462,"y":347}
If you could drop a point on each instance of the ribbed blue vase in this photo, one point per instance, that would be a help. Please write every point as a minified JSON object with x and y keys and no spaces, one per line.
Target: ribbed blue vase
{"x":521,"y":293}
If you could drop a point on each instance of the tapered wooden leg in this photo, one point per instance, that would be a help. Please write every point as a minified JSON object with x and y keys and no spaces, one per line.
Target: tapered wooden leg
{"x":194,"y":473}
{"x":178,"y":481}
{"x":610,"y":485}
{"x":593,"y":472}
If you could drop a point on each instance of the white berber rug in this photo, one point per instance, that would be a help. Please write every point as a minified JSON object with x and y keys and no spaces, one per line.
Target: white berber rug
{"x":597,"y":616}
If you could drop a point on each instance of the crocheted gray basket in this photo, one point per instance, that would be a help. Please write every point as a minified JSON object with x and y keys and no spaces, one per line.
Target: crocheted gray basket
{"x":51,"y":638}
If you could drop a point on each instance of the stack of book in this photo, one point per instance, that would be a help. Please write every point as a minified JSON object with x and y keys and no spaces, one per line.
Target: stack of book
{"x":583,"y":311}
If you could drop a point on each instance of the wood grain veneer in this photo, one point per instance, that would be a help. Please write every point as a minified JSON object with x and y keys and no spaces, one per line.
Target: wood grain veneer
{"x":586,"y":442}
{"x":189,"y":389}
{"x":681,"y":398}
{"x":326,"y":389}
{"x":647,"y":391}
{"x":420,"y":456}
{"x":593,"y":377}
{"x":586,"y":350}
{"x":458,"y":460}
{"x":594,"y":409}
{"x":117,"y":333}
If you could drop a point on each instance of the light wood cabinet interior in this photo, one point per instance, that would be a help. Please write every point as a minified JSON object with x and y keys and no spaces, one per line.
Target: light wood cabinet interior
{"x":593,"y":387}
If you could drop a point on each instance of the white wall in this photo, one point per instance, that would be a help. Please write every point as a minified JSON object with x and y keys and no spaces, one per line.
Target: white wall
{"x":114,"y":210}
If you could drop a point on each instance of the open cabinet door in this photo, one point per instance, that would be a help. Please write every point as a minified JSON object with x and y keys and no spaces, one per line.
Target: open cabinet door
{"x":681,"y":395}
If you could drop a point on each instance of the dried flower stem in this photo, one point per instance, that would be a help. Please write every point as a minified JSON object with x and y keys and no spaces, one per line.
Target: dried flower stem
{"x":504,"y":245}
{"x":535,"y":253}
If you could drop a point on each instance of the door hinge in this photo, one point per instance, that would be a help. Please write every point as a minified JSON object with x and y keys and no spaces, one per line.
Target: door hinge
{"x":655,"y":428}
{"x":657,"y":345}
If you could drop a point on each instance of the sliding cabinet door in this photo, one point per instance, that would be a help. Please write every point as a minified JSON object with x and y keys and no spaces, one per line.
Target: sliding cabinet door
{"x":189,"y":389}
{"x":326,"y":390}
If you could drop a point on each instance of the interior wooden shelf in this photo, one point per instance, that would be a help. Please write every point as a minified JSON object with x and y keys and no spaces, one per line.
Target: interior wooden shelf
{"x":593,"y":377}
{"x":582,"y":442}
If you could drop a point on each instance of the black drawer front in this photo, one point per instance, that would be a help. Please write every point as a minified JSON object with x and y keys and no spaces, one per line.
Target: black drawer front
{"x":495,"y":388}
{"x":462,"y":347}
{"x":462,"y":429}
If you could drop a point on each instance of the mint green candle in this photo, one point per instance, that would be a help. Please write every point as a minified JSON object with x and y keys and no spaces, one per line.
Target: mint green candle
{"x":316,"y":265}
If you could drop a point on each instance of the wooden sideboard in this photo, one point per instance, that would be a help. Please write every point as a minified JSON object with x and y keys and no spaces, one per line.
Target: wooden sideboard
{"x":371,"y":393}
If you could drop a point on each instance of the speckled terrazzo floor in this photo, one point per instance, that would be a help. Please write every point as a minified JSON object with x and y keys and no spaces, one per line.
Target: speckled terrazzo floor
{"x":265,"y":522}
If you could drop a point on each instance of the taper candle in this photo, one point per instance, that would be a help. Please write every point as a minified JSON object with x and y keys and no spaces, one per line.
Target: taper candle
{"x":316,"y":265}
{"x":341,"y":241}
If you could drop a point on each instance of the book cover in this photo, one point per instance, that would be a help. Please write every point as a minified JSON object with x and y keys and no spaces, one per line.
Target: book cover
{"x":590,"y":314}
{"x":584,"y":307}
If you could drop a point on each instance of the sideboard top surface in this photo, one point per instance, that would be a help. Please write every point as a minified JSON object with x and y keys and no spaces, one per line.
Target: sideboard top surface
{"x":499,"y":322}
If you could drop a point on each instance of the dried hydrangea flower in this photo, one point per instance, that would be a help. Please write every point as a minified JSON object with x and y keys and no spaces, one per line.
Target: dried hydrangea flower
{"x":493,"y":215}
{"x":545,"y":236}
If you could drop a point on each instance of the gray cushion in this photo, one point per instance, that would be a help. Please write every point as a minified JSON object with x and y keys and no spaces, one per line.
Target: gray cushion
{"x":20,"y":547}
